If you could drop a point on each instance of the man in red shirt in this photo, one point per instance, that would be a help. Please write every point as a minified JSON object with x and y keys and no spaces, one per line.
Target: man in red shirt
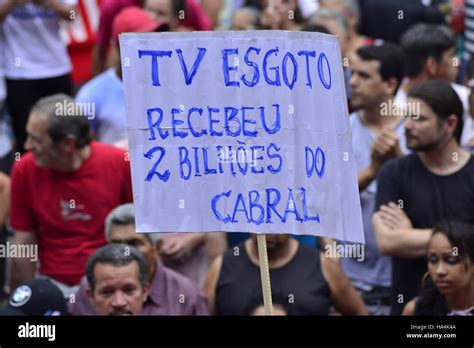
{"x":62,"y":191}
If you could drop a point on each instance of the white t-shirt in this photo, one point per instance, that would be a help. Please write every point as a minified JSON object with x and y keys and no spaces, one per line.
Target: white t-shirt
{"x":33,"y":48}
{"x":463,"y":94}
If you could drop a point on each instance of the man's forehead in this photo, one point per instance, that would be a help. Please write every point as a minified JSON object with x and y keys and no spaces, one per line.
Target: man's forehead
{"x":367,"y":66}
{"x":366,"y":62}
{"x":121,"y":231}
{"x":38,"y":116}
{"x":109,"y":272}
{"x":38,"y":120}
{"x":166,"y":3}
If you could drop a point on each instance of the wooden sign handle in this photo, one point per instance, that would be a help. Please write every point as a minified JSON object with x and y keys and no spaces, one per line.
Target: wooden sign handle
{"x":265,"y":274}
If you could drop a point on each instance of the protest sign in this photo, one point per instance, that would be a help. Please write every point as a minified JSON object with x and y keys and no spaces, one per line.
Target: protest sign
{"x":240,"y":131}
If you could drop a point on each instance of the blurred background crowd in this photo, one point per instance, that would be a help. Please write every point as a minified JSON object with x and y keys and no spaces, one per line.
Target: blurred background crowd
{"x":65,"y":187}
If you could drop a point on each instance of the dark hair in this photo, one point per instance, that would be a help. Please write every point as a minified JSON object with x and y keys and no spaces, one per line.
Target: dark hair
{"x":66,"y":117}
{"x":423,"y":41}
{"x":461,"y":236}
{"x":390,"y":57}
{"x":298,"y":15}
{"x":315,"y":28}
{"x":177,"y":6}
{"x":444,"y":101}
{"x":116,"y":254}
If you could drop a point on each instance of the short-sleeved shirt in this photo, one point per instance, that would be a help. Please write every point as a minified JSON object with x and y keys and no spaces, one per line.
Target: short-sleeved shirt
{"x":105,"y":93}
{"x":427,"y":199}
{"x":170,"y":294}
{"x":32,"y":45}
{"x":375,"y":269}
{"x":67,"y":210}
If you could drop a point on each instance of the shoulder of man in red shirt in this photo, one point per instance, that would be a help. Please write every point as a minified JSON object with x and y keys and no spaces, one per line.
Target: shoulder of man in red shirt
{"x":26,"y":160}
{"x":108,"y":150}
{"x":113,"y":155}
{"x":20,"y":204}
{"x":118,"y":160}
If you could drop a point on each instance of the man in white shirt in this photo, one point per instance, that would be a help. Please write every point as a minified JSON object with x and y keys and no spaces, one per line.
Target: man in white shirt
{"x":35,"y":60}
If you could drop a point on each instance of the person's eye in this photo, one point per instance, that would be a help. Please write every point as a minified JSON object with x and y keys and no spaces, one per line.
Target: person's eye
{"x":452,"y":260}
{"x":130,"y":291}
{"x":105,"y":293}
{"x":432,"y":259}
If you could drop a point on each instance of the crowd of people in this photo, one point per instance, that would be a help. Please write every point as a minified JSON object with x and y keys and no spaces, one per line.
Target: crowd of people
{"x":65,"y":182}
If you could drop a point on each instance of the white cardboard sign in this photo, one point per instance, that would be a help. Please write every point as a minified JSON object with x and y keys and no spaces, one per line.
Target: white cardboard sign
{"x":240,"y":132}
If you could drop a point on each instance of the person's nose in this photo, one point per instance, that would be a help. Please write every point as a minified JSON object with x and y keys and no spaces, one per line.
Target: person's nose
{"x":28,"y":144}
{"x":441,"y":269}
{"x":119,"y":300}
{"x":353,"y":81}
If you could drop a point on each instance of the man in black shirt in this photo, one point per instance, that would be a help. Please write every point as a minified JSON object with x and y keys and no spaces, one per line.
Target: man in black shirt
{"x":417,"y":191}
